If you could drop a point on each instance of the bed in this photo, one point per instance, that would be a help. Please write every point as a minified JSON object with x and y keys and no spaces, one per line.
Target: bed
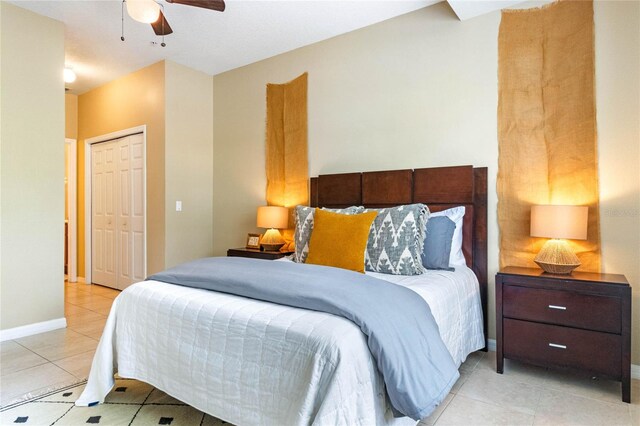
{"x":247,"y":361}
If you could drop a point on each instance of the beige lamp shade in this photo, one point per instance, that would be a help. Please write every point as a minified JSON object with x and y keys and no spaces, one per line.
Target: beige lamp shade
{"x":558,"y":223}
{"x":273,"y":217}
{"x":565,"y":222}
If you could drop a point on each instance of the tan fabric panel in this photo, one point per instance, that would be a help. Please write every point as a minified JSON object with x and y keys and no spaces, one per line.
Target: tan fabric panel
{"x":287,"y":162}
{"x":546,"y":125}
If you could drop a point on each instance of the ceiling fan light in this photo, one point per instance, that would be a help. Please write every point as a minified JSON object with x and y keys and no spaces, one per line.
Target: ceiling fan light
{"x":69,"y":75}
{"x":145,"y":11}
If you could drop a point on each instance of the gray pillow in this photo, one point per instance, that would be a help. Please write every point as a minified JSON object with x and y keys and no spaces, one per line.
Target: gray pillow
{"x":437,"y":243}
{"x":304,"y":226}
{"x":396,"y":239}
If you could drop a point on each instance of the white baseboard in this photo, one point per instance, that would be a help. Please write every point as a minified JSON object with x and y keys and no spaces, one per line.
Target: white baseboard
{"x":80,"y":280}
{"x":31,"y":329}
{"x":492,"y":345}
{"x":635,"y":369}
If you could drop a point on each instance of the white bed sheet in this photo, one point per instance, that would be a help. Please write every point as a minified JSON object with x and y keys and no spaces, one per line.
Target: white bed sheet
{"x":454,"y":299}
{"x":252,"y":362}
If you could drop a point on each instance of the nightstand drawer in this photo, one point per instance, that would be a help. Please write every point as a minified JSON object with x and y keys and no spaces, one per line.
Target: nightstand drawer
{"x":586,"y":311}
{"x":563,"y":346}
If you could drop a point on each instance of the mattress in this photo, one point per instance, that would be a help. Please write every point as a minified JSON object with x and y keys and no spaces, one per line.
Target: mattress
{"x":252,"y":362}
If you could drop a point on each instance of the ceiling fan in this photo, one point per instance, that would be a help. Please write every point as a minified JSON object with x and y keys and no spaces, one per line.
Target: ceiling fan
{"x":150,"y":12}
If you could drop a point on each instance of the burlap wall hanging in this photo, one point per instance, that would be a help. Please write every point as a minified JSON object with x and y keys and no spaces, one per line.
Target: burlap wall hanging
{"x":287,"y":163}
{"x":546,"y":125}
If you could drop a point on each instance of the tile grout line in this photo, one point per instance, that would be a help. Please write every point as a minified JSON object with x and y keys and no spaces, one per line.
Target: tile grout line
{"x":91,"y":310}
{"x":26,"y":368}
{"x":545,"y":386}
{"x":101,"y":298}
{"x":141,"y":405}
{"x":52,"y":361}
{"x":455,"y":395}
{"x":519,"y":382}
{"x":435,"y":421}
{"x":65,"y":413}
{"x":544,"y":382}
{"x":85,"y":335}
{"x":591,"y":398}
{"x":63,"y":369}
{"x":549,"y":386}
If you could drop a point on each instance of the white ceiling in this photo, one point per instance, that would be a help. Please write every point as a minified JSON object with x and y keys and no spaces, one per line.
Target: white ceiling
{"x":209,"y":41}
{"x":214,"y":42}
{"x":467,"y":9}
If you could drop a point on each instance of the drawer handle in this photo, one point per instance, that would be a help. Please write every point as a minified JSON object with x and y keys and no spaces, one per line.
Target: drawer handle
{"x":560,"y":308}
{"x":555,"y":345}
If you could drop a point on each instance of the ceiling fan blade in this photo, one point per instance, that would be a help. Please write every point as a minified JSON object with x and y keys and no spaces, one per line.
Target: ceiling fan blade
{"x":206,"y":4}
{"x":161,"y":26}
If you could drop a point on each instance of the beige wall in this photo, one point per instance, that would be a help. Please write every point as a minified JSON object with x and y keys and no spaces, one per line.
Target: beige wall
{"x":618,"y":116}
{"x":71,"y":116}
{"x":176,"y":104}
{"x":420,"y":90}
{"x":133,"y":100}
{"x":32,"y":168}
{"x":188,"y":163}
{"x":70,"y":132}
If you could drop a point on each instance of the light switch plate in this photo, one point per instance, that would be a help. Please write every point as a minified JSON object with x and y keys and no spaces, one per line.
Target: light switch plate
{"x":178,"y":206}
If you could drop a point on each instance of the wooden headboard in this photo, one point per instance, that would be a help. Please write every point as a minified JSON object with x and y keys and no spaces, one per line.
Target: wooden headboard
{"x":439,"y":188}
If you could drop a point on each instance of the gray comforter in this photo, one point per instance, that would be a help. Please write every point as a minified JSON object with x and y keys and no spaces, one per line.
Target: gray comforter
{"x":402,"y":335}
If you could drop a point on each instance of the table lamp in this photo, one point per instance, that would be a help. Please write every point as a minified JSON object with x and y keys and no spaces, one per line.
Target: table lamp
{"x":272,"y":217}
{"x":558,"y":223}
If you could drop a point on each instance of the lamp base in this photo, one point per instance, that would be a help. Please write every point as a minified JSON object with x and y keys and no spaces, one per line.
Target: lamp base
{"x":271,"y":240}
{"x":556,"y":257}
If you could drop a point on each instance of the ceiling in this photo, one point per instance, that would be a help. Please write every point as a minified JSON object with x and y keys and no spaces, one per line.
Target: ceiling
{"x":209,"y":41}
{"x":467,"y":9}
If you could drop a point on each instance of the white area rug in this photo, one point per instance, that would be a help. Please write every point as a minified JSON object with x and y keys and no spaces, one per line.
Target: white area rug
{"x":131,"y":402}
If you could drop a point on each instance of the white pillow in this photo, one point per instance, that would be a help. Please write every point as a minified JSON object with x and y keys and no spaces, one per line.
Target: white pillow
{"x":455,"y":214}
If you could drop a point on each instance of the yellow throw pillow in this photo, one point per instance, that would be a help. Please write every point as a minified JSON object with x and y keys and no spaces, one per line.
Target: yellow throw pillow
{"x":339,"y":240}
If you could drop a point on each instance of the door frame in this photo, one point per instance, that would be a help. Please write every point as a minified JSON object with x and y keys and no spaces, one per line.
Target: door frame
{"x":72,"y":207}
{"x":88,"y":184}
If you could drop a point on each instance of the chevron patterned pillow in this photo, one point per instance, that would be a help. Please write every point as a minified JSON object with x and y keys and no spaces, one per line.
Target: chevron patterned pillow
{"x":396,"y":240}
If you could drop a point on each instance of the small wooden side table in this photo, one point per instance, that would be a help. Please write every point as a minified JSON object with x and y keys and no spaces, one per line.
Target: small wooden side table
{"x":256,"y":254}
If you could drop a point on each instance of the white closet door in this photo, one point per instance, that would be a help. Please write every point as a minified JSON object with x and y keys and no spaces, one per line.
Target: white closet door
{"x":124,"y":214}
{"x":118,"y":209}
{"x":137,"y":212}
{"x":103,"y":208}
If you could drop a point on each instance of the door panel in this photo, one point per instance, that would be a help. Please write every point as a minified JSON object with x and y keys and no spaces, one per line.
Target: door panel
{"x":124,"y":198}
{"x":103,"y":225}
{"x":137,"y":225}
{"x":124,"y":276}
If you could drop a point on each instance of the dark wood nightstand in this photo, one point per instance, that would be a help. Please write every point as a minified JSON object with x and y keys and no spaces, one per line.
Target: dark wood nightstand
{"x":256,"y":254}
{"x":580,"y":321}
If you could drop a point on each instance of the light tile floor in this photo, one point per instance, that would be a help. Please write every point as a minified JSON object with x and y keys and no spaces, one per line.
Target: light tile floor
{"x":523,"y":395}
{"x":43,"y":361}
{"x":530,"y":395}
